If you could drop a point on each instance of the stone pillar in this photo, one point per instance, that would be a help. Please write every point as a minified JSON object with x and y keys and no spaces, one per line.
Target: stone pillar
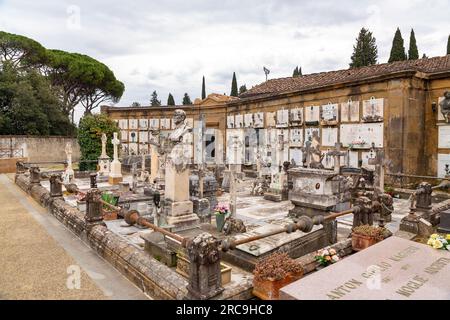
{"x":55,"y":185}
{"x":93,"y":178}
{"x":205,"y":279}
{"x":115,"y":174}
{"x":423,"y":199}
{"x":154,"y":164}
{"x":35,"y":175}
{"x":94,"y":213}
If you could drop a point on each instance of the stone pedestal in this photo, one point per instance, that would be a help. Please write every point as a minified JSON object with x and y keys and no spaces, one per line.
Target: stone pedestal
{"x":104,"y":166}
{"x":444,"y":225}
{"x":278,"y":190}
{"x":115,"y":175}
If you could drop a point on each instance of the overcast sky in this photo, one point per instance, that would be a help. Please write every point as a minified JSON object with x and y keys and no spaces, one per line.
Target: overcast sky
{"x":168,"y":46}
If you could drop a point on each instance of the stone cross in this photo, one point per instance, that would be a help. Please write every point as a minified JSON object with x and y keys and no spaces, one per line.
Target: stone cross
{"x":379,"y":168}
{"x":337,"y":153}
{"x":116,"y":143}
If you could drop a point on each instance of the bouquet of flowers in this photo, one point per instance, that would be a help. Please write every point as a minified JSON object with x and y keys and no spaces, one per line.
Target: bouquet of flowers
{"x":221,"y":209}
{"x":327,"y":256}
{"x":439,"y":242}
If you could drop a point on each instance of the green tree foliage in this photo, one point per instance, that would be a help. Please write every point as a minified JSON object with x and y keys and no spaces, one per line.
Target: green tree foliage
{"x":82,"y":79}
{"x":90,"y":133}
{"x":448,"y":45}
{"x":413,"y":52}
{"x":398,"y":49}
{"x":295,"y":73}
{"x":20,"y":51}
{"x":424,"y":56}
{"x":28,"y":106}
{"x":170,"y":100}
{"x":234,"y":86}
{"x":242,"y":89}
{"x":186,"y":99}
{"x":365,"y":51}
{"x":300,"y":71}
{"x":135,"y":104}
{"x":203,"y":89}
{"x":154,"y":102}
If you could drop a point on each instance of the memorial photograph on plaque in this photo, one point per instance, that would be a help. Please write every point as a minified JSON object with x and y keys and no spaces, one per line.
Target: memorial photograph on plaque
{"x":282,"y":118}
{"x":154,"y":124}
{"x":350,"y":111}
{"x":239,"y":121}
{"x":296,"y":117}
{"x":123,"y":123}
{"x":143,"y":124}
{"x":329,"y":114}
{"x":373,"y":110}
{"x":133,"y":124}
{"x":312,"y":115}
{"x":133,"y":136}
{"x":258,"y":120}
{"x":230,"y":122}
{"x":248,"y":120}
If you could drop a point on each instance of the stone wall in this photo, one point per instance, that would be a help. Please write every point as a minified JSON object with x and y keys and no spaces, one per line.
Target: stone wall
{"x":42,"y":148}
{"x":8,"y":165}
{"x":150,"y":275}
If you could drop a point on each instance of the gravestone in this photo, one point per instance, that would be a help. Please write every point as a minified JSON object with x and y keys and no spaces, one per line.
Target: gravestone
{"x":103,"y":160}
{"x":393,"y":269}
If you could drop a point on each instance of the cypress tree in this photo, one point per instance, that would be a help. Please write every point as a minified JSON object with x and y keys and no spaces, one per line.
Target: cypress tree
{"x":448,"y":45}
{"x":300,"y":71}
{"x":424,"y":56}
{"x":242,"y":89}
{"x":186,"y":99}
{"x":295,"y":73}
{"x":203,"y":88}
{"x":398,"y":49}
{"x":365,"y":51}
{"x":154,"y":102}
{"x":413,"y":52}
{"x":170,"y":100}
{"x":234,"y":87}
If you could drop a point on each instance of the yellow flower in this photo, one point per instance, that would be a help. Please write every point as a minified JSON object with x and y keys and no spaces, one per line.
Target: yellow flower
{"x":437,"y":244}
{"x":447,"y":237}
{"x":434,"y":236}
{"x":430,"y":242}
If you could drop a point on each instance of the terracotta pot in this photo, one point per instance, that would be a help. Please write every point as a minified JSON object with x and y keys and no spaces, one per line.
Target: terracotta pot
{"x":361,"y":242}
{"x":270,"y":289}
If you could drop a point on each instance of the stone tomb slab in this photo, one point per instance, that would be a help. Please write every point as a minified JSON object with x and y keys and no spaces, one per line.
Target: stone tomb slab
{"x":394,"y":269}
{"x":263,"y":246}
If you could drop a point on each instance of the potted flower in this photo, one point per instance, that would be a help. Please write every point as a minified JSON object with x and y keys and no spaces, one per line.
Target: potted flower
{"x":439,"y":242}
{"x":221,"y":211}
{"x":364,"y":236}
{"x":274,"y":272}
{"x":326,"y":257}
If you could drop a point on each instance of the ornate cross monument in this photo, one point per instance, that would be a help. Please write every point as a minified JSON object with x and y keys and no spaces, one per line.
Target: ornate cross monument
{"x":103,"y":160}
{"x":68,"y":173}
{"x":337,"y":153}
{"x":115,"y":174}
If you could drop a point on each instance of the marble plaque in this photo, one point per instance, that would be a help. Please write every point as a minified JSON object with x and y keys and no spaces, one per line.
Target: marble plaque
{"x":329,"y":136}
{"x":350,"y":111}
{"x":258,"y":120}
{"x":270,"y":119}
{"x":296,"y":117}
{"x":230,"y":122}
{"x":440,"y":115}
{"x":328,"y":161}
{"x":362,"y":135}
{"x":309,"y":133}
{"x":133,"y":149}
{"x":133,"y":124}
{"x":154,"y":124}
{"x":165,"y":124}
{"x":282,"y":145}
{"x":296,"y":154}
{"x":373,"y":110}
{"x":296,"y":137}
{"x":248,"y":120}
{"x":124,"y":135}
{"x":365,"y":156}
{"x":282,"y":118}
{"x":353,"y":159}
{"x":393,"y":269}
{"x":330,"y":112}
{"x":443,"y":160}
{"x":143,"y":136}
{"x":444,"y":137}
{"x":190,"y":122}
{"x":133,"y":136}
{"x":239,"y":121}
{"x":123,"y":123}
{"x":143,"y":124}
{"x":235,"y":146}
{"x":312,"y":114}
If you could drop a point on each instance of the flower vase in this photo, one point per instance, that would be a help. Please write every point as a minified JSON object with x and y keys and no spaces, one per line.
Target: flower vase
{"x":220,"y":221}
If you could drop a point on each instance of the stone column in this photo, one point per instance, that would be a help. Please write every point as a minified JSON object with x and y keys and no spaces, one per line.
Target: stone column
{"x":115,"y":174}
{"x":205,"y":280}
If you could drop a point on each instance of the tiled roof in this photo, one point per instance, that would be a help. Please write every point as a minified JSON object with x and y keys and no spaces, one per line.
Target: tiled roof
{"x":315,"y":80}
